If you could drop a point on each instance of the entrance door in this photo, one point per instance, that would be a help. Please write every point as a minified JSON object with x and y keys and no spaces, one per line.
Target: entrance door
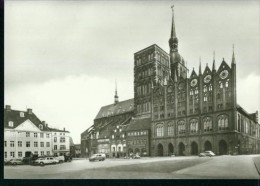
{"x":194,"y":148}
{"x":207,"y":146}
{"x":223,"y":149}
{"x":181,"y":149}
{"x":160,"y":150}
{"x":170,"y":149}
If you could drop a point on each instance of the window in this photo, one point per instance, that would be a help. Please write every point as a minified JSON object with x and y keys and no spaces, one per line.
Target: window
{"x":62,"y":139}
{"x":27,"y":134}
{"x":20,"y":154}
{"x":62,"y":147}
{"x":11,"y":143}
{"x":207,"y":122}
{"x":205,"y":88}
{"x":222,"y":122}
{"x":27,"y":144}
{"x":181,"y":127}
{"x":47,"y":144}
{"x":5,"y":143}
{"x":48,"y":152}
{"x":5,"y":154}
{"x":170,"y":130}
{"x":193,"y":126}
{"x":47,"y":135}
{"x":41,"y":127}
{"x":10,"y":124}
{"x":21,"y":114}
{"x":19,"y":143}
{"x":42,"y":144}
{"x":55,"y":147}
{"x":220,"y":84}
{"x":42,"y":153}
{"x":35,"y":144}
{"x":36,"y":152}
{"x":41,"y":135}
{"x":227,"y":83}
{"x":55,"y":139}
{"x":159,"y":130}
{"x":210,"y":87}
{"x":35,"y":135}
{"x":12,"y":154}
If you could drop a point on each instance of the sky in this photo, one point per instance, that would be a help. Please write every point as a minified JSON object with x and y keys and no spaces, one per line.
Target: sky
{"x":62,"y":58}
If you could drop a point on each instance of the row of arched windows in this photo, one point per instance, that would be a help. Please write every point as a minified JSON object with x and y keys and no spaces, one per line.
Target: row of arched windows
{"x":222,"y":121}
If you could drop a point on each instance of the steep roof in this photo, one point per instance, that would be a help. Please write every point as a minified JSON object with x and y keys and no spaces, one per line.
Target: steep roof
{"x":116,"y":109}
{"x":139,"y":124}
{"x":14,"y":116}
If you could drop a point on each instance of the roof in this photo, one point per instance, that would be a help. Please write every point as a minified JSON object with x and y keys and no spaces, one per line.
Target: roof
{"x":139,"y":124}
{"x":14,"y":116}
{"x":243,"y":111}
{"x":56,"y":130}
{"x":149,"y":47}
{"x":116,"y":109}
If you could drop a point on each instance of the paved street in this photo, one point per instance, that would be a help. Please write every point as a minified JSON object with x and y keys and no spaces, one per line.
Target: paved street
{"x":219,"y":167}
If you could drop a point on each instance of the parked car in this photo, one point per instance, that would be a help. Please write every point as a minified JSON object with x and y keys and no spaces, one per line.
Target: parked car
{"x":16,"y":162}
{"x":99,"y":157}
{"x":46,"y":160}
{"x":136,"y":156}
{"x":206,"y":153}
{"x":60,"y":158}
{"x":30,"y":159}
{"x":6,"y":162}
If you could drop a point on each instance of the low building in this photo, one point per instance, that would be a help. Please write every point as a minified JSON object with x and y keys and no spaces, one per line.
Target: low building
{"x":138,"y":136}
{"x":60,"y":141}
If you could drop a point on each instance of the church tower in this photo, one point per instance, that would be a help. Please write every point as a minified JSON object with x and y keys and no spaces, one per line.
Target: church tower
{"x":177,"y":63}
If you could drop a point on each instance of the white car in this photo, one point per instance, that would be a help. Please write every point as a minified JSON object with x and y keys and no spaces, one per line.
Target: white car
{"x":46,"y":160}
{"x":207,"y":153}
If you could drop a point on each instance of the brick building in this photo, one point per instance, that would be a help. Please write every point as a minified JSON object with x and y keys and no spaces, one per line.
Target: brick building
{"x":184,"y":115}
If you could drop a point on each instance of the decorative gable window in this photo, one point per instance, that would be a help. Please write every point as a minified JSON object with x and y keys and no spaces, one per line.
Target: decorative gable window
{"x":193,"y":126}
{"x":10,"y":123}
{"x":21,"y":114}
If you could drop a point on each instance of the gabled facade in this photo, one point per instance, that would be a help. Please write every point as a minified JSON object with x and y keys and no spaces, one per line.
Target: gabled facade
{"x":25,"y":133}
{"x":176,"y":114}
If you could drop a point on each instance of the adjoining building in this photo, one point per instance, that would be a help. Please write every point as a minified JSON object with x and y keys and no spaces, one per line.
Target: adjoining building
{"x":60,"y":141}
{"x":176,"y":114}
{"x":25,"y":134}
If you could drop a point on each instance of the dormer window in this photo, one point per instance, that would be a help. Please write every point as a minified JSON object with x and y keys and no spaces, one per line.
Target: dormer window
{"x":21,"y":114}
{"x":10,"y":124}
{"x":41,"y":127}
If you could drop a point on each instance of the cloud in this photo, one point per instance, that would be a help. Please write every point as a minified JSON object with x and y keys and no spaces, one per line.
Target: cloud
{"x":72,"y":102}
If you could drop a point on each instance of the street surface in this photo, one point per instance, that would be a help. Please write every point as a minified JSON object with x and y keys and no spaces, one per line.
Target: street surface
{"x":191,"y":167}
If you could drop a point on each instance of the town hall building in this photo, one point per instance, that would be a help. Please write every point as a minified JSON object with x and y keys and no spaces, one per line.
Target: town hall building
{"x":176,"y":113}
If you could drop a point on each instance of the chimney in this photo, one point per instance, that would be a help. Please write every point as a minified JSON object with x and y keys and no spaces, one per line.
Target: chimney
{"x":43,"y":122}
{"x":29,"y":111}
{"x":8,"y":107}
{"x":46,"y":125}
{"x":64,"y":129}
{"x":256,"y":116}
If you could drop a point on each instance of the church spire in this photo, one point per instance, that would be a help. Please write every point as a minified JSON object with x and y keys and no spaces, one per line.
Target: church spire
{"x":173,"y":32}
{"x":200,"y":66}
{"x":116,"y":96}
{"x":213,"y":67}
{"x":233,"y":57}
{"x":173,"y":41}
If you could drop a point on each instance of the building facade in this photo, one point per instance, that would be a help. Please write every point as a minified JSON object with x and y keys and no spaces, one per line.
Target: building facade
{"x":25,"y":133}
{"x":60,"y":141}
{"x":177,"y":113}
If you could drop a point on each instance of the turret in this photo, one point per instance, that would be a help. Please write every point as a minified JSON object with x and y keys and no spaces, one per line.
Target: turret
{"x":116,"y":96}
